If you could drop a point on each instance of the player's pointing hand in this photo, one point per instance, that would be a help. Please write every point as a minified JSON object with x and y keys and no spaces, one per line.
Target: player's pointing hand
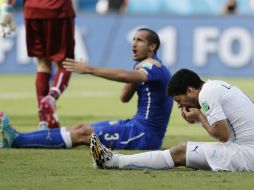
{"x":76,"y":66}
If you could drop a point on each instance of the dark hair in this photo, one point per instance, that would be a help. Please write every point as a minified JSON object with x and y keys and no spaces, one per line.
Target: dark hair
{"x":183,"y":79}
{"x":152,"y":38}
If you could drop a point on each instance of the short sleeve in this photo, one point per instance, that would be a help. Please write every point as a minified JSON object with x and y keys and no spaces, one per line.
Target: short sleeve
{"x":152,"y":71}
{"x":211,"y":104}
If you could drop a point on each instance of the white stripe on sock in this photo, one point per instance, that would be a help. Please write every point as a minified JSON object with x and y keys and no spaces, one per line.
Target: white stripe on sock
{"x":66,"y":137}
{"x":59,"y":80}
{"x":55,"y":89}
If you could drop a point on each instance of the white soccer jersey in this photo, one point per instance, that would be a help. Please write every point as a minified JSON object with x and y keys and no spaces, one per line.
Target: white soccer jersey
{"x":220,"y":100}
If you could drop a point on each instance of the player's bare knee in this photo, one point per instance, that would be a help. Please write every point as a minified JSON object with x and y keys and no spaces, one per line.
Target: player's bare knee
{"x":178,"y":154}
{"x":73,"y":128}
{"x":43,"y":65}
{"x":81,"y":134}
{"x":85,"y":130}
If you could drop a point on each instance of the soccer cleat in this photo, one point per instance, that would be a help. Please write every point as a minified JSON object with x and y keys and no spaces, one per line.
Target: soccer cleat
{"x":47,"y":108}
{"x":100,"y":153}
{"x":1,"y":132}
{"x":43,"y":125}
{"x":9,"y":134}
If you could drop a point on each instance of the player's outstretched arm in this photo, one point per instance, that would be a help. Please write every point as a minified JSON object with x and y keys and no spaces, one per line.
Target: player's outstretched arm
{"x":7,"y":24}
{"x":107,"y":73}
{"x":76,"y":66}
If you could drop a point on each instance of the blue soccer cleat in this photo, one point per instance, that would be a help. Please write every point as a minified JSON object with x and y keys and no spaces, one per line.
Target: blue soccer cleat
{"x":43,"y":126}
{"x":8,"y":133}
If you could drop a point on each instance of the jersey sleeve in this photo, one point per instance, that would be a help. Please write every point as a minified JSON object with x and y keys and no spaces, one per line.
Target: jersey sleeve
{"x":210,"y":101}
{"x":152,"y":71}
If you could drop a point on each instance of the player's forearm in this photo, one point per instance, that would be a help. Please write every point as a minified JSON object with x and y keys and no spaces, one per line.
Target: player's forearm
{"x":115,"y":74}
{"x":128,"y":92}
{"x":203,"y":120}
{"x":219,"y":136}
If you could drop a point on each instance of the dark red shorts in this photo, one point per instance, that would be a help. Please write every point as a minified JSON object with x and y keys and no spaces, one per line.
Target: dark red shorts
{"x":52,"y":39}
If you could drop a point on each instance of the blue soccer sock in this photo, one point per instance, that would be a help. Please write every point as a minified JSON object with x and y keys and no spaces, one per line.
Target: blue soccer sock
{"x":52,"y":138}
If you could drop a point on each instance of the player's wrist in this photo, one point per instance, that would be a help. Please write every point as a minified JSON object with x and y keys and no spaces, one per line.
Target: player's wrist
{"x":89,"y":70}
{"x":6,"y":8}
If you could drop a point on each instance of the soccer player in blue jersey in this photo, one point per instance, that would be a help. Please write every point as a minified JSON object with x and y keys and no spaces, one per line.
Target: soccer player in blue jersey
{"x":145,"y":130}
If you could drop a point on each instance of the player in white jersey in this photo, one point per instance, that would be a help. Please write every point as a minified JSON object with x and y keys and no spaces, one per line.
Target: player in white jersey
{"x":223,"y":110}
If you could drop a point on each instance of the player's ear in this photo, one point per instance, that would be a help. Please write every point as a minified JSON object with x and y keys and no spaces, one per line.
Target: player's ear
{"x":190,"y":89}
{"x":152,"y":47}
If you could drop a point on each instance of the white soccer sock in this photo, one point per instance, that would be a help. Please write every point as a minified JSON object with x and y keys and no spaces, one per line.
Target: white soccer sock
{"x":66,"y":135}
{"x":152,"y":160}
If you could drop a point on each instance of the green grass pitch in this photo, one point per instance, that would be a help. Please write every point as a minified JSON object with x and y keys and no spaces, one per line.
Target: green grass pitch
{"x":90,"y":99}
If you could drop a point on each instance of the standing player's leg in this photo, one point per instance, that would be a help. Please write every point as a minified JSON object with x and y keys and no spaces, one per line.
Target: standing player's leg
{"x":35,"y":41}
{"x":42,"y":85}
{"x":60,"y":81}
{"x":48,"y":109}
{"x":57,"y":52}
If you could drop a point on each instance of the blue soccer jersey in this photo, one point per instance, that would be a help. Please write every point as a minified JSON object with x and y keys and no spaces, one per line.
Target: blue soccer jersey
{"x":148,"y":126}
{"x":154,"y":106}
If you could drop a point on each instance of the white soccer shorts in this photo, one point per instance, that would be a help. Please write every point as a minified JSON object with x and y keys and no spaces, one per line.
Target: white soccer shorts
{"x":220,"y":156}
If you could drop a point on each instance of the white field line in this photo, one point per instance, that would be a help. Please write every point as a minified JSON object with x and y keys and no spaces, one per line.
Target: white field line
{"x":29,"y":95}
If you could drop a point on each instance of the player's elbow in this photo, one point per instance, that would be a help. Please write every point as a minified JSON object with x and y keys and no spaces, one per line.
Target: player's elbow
{"x":222,"y":137}
{"x":125,"y":77}
{"x":134,"y":77}
{"x":220,"y":130}
{"x":124,"y":99}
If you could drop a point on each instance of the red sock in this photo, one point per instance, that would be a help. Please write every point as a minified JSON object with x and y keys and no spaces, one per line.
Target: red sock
{"x":42,"y":88}
{"x":42,"y":85}
{"x":60,"y":82}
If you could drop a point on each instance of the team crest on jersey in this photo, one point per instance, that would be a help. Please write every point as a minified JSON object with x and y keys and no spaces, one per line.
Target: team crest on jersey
{"x":147,"y":65}
{"x":205,"y":106}
{"x":112,"y":123}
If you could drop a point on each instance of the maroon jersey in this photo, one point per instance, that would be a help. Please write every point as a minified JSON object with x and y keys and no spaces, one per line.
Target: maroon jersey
{"x":44,"y":9}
